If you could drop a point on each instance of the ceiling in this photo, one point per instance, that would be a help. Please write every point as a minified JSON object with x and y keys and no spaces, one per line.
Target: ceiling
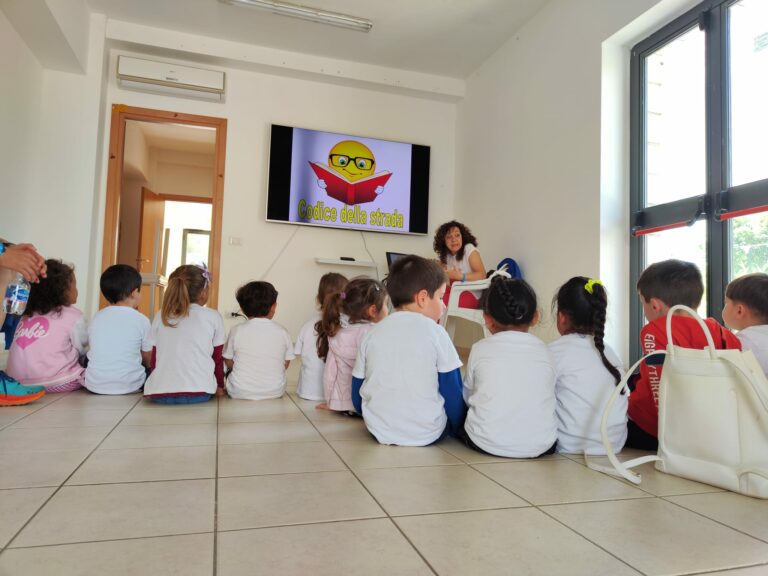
{"x":443,"y":37}
{"x":181,"y":137}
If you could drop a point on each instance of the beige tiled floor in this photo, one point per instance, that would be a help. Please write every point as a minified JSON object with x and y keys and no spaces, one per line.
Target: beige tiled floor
{"x":114,"y":485}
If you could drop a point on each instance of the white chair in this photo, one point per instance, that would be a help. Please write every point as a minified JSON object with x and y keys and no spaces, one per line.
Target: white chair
{"x":453,"y":310}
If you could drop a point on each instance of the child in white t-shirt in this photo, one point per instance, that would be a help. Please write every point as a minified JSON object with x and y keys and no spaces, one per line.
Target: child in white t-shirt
{"x":746,"y":310}
{"x":120,"y":346}
{"x":406,"y":381}
{"x":587,"y":370}
{"x":509,"y":385}
{"x":311,"y":375}
{"x":258,"y":351}
{"x":347,"y":318}
{"x":187,"y":341}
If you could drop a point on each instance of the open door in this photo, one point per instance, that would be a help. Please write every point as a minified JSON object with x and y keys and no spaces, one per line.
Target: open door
{"x":129,"y":170}
{"x":151,"y":248}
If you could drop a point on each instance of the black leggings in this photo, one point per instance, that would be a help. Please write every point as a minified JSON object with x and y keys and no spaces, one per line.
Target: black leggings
{"x":468,"y":441}
{"x":639,"y":438}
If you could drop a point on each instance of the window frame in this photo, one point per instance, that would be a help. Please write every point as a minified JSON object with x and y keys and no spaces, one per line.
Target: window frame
{"x":720,"y":201}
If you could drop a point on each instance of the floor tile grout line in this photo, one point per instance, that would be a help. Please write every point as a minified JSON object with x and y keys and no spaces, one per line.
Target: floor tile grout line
{"x":61,"y":485}
{"x":124,"y":482}
{"x":126,"y":539}
{"x":719,"y":570}
{"x":472,"y":466}
{"x":665,"y":499}
{"x":384,"y":510}
{"x":584,"y":537}
{"x":40,"y":407}
{"x":216,"y":491}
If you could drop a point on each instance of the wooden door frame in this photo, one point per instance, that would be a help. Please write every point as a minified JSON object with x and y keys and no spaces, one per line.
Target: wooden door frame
{"x":120,"y":115}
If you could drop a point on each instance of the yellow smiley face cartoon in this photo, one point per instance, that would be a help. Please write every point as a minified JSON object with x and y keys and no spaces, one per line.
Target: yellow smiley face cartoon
{"x":352,"y":160}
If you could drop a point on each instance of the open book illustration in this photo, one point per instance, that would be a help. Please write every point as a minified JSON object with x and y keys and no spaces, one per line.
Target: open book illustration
{"x":357,"y":192}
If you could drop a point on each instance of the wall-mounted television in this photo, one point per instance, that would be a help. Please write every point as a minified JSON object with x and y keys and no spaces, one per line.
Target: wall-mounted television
{"x":349,"y":182}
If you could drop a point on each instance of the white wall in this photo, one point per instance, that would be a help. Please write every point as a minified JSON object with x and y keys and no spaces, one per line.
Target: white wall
{"x":284,"y":254}
{"x":530,"y":152}
{"x":181,"y":173}
{"x":18,"y":118}
{"x":135,"y":152}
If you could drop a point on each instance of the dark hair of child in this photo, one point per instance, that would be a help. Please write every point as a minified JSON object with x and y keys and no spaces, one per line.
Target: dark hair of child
{"x":511,"y":302}
{"x":51,"y":294}
{"x":751,"y":290}
{"x":411,"y":274}
{"x":586,"y":313}
{"x":673,"y":282}
{"x":330,"y":283}
{"x":118,"y":282}
{"x":185,"y":285}
{"x":438,"y":244}
{"x":358,"y":296}
{"x":256,"y":298}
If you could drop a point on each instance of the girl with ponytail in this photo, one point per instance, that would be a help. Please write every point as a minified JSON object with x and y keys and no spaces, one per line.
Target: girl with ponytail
{"x":509,"y":385}
{"x":347,"y":316}
{"x":587,"y":370}
{"x":187,"y":341}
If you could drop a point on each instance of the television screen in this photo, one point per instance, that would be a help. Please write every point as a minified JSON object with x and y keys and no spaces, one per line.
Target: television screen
{"x":349,"y":182}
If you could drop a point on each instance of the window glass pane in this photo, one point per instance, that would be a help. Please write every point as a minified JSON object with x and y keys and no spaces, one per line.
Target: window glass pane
{"x":748,"y":21}
{"x":749,"y":244}
{"x":674,"y":119}
{"x":195,"y":246}
{"x":178,"y":216}
{"x":686,"y":243}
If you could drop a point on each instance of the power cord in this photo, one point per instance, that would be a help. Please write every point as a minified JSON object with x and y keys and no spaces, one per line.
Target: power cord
{"x":274,"y":261}
{"x":365,"y":244}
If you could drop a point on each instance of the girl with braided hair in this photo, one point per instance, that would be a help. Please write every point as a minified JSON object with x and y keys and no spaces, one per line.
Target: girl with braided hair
{"x":347,"y":317}
{"x":587,"y":370}
{"x":509,"y":385}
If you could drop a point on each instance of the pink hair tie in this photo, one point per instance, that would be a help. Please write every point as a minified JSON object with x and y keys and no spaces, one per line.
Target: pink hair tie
{"x":343,"y":295}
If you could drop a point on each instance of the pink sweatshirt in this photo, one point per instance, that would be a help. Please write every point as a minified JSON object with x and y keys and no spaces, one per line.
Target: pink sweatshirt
{"x":342,"y":353}
{"x":46,"y":349}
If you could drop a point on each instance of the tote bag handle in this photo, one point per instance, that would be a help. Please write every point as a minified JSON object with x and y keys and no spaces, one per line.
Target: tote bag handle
{"x":691,"y":312}
{"x":618,"y":468}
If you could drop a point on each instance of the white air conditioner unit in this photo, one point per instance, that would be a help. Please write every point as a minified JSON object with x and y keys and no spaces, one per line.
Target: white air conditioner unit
{"x":166,"y":78}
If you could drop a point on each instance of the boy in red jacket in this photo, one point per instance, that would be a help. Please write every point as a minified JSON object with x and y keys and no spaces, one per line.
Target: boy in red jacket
{"x":661,"y":286}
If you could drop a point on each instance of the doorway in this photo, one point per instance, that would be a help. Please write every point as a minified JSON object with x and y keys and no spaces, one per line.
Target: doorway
{"x":164,"y":196}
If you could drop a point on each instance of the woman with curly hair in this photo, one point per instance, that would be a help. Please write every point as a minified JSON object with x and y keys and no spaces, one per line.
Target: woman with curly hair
{"x":457,"y":249}
{"x":52,"y":336}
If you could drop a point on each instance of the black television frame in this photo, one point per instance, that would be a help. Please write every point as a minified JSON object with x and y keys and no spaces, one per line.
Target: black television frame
{"x":279,"y":183}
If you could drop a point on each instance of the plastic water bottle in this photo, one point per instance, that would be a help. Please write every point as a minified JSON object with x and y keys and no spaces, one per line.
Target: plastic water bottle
{"x":16,"y":296}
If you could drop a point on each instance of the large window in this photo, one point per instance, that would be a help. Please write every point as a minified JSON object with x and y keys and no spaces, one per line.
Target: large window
{"x":699,"y":165}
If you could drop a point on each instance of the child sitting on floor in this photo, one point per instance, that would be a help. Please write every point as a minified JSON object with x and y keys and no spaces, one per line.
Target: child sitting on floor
{"x":660,"y":287}
{"x":347,"y":318}
{"x":310,"y":385}
{"x":258,"y":351}
{"x":119,"y":336}
{"x":52,"y":336}
{"x":187,"y":342}
{"x":587,"y":370}
{"x":746,"y":310}
{"x":407,"y":383}
{"x":509,"y":385}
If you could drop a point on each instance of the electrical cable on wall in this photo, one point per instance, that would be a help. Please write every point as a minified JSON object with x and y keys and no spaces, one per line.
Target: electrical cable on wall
{"x":279,"y":254}
{"x":362,"y":235}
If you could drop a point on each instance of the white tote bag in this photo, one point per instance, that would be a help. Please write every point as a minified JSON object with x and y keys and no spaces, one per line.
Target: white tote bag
{"x":713,"y":417}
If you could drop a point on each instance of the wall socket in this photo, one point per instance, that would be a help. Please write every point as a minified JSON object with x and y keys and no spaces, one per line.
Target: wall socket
{"x":235,"y":241}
